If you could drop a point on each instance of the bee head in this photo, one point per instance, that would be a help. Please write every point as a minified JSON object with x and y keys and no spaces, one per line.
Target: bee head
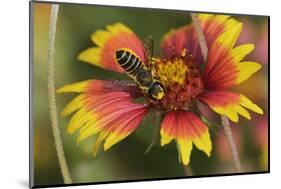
{"x":156,"y":91}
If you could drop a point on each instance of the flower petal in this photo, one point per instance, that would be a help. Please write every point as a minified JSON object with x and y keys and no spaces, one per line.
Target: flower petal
{"x":229,"y":37}
{"x":239,"y":53}
{"x":185,"y":37}
{"x":246,"y":70}
{"x":74,"y":88}
{"x":124,"y":128}
{"x":102,"y":108}
{"x":108,"y":41}
{"x":107,"y":116}
{"x":247,"y":103}
{"x":201,"y":137}
{"x":187,"y":129}
{"x":168,"y":128}
{"x":230,"y":104}
{"x":184,"y":148}
{"x":74,"y":105}
{"x":223,"y":68}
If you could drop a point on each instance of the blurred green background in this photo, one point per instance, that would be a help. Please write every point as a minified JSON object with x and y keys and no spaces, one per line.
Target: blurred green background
{"x":127,"y":160}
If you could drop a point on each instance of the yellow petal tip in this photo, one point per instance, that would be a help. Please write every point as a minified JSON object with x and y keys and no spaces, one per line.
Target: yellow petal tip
{"x":91,"y":55}
{"x":259,"y":110}
{"x":106,"y":147}
{"x":75,"y":87}
{"x":246,"y":70}
{"x":60,"y":90}
{"x":63,"y":114}
{"x":69,"y":131}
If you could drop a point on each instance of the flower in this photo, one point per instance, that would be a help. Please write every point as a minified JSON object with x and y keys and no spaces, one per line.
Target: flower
{"x":109,"y":108}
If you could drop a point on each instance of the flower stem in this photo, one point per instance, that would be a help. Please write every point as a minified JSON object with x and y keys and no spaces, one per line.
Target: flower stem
{"x":224,"y":119}
{"x":51,"y":94}
{"x":228,"y":133}
{"x":187,"y":170}
{"x":200,"y":35}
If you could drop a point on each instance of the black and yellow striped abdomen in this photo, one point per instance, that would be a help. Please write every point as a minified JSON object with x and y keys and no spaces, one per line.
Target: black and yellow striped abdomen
{"x":129,"y":61}
{"x":141,"y":74}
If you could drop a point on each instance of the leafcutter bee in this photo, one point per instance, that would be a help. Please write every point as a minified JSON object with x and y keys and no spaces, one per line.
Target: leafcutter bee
{"x":140,"y":72}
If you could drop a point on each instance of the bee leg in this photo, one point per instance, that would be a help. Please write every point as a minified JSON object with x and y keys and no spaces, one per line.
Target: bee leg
{"x":156,"y":122}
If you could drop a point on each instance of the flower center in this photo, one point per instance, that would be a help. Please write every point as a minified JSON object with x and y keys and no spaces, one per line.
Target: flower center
{"x":181,"y":79}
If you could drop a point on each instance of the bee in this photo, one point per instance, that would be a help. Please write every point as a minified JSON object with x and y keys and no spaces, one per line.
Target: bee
{"x":140,"y":73}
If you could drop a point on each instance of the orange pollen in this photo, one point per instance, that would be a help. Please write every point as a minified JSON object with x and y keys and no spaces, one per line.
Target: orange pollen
{"x":181,"y":79}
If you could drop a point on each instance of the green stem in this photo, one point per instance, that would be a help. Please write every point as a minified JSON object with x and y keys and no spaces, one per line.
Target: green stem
{"x":52,"y":97}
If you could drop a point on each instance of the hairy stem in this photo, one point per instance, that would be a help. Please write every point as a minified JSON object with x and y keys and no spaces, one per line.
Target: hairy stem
{"x":200,"y":36}
{"x":51,"y":94}
{"x":224,"y":119}
{"x":228,"y":133}
{"x":187,"y":170}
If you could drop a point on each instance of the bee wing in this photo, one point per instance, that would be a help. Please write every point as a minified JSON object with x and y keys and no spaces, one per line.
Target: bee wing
{"x":148,"y":49}
{"x":120,"y":84}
